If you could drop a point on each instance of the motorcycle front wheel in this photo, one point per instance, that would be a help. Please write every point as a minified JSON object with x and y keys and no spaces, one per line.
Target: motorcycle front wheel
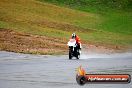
{"x":70,"y":55}
{"x":78,"y":55}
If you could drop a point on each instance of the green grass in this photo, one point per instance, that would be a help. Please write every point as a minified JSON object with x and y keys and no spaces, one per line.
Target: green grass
{"x":26,"y":16}
{"x":115,"y":15}
{"x":94,"y":5}
{"x":111,"y":27}
{"x":117,"y":22}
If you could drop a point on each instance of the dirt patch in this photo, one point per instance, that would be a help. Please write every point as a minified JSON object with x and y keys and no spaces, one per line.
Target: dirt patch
{"x":92,"y":49}
{"x":60,"y":26}
{"x":89,"y":47}
{"x":27,"y":43}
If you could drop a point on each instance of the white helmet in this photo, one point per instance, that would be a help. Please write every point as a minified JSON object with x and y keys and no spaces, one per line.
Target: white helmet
{"x":73,"y":35}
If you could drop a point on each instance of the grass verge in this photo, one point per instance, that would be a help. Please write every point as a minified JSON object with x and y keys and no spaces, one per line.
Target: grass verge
{"x":56,"y":24}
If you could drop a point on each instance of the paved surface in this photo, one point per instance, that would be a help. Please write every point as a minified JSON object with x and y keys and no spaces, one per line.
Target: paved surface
{"x":39,"y":71}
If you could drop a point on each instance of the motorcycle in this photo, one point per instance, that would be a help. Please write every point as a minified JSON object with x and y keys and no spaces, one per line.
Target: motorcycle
{"x":73,"y":49}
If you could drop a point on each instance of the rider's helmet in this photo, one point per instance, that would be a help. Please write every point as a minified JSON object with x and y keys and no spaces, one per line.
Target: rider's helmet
{"x":73,"y":35}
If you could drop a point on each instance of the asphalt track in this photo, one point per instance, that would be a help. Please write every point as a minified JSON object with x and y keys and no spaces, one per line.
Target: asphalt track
{"x":45,"y":71}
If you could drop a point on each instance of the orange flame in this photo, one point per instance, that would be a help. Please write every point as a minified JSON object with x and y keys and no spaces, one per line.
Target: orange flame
{"x":81,"y":71}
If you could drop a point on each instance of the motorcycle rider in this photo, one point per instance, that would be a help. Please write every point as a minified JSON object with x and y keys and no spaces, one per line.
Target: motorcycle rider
{"x":74,"y":36}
